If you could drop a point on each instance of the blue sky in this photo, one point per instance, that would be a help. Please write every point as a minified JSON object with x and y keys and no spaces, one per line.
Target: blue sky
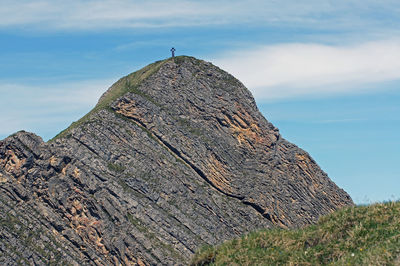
{"x":326,"y":73}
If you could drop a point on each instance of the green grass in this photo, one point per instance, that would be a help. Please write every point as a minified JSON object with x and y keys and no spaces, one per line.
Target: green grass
{"x":137,"y":223}
{"x":119,"y":168}
{"x":126,"y":84}
{"x":362,"y":235}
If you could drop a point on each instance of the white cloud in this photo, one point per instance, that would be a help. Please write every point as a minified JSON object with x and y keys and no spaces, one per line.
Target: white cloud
{"x":291,"y":70}
{"x":46,"y":110}
{"x":71,"y":93}
{"x":80,"y":14}
{"x":109,"y":14}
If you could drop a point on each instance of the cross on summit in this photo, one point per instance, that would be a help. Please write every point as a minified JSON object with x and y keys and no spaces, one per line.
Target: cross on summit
{"x":173,"y":51}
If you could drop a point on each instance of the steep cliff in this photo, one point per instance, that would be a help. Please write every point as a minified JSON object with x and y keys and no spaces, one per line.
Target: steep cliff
{"x":174,"y":156}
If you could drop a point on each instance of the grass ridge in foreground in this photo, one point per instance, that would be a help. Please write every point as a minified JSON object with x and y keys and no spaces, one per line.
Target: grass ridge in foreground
{"x":359,"y":235}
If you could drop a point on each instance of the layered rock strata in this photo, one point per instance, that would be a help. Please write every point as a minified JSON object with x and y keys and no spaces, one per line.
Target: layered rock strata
{"x":173,"y":157}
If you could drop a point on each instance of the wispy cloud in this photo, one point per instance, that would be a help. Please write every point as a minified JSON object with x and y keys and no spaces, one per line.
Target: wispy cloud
{"x":291,"y":70}
{"x":44,"y":110}
{"x":106,"y":14}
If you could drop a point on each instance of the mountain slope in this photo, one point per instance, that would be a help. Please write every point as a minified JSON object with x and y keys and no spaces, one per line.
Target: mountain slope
{"x":363,"y":235}
{"x":173,"y":157}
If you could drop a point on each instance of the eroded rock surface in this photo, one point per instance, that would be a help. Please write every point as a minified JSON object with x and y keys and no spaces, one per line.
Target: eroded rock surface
{"x":166,"y":163}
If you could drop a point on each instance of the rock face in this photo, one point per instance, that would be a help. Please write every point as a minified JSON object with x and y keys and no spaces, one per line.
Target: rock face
{"x":173,"y":157}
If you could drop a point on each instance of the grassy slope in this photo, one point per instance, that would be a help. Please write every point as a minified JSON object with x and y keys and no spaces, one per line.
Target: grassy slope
{"x":362,"y":235}
{"x":126,"y":84}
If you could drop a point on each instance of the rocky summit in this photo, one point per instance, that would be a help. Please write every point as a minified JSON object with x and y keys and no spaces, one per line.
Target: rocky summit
{"x":173,"y":157}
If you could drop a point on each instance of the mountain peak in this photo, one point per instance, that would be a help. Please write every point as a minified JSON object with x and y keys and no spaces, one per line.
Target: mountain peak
{"x":173,"y":156}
